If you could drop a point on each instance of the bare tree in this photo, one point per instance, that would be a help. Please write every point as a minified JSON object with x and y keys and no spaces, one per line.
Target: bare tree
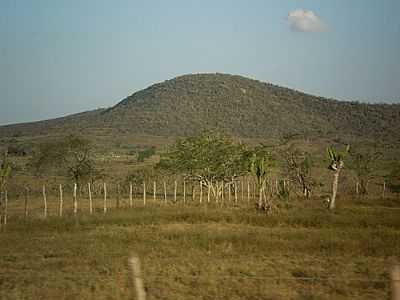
{"x":298,"y":168}
{"x":363,"y":164}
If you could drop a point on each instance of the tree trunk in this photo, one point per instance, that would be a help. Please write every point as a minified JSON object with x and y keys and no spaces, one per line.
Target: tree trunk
{"x":332,"y":202}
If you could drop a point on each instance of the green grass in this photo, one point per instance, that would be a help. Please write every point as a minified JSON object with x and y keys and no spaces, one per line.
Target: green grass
{"x":199,"y":252}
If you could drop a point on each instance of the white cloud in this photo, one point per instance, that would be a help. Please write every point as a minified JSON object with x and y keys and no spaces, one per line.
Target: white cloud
{"x":305,"y":21}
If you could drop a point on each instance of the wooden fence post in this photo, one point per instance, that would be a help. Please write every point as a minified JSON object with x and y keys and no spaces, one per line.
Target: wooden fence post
{"x":242,"y":189}
{"x":208,"y":193}
{"x":90,"y":199}
{"x":60,"y":209}
{"x":184,"y":192}
{"x":136,"y":274}
{"x":248,"y":192}
{"x":75,"y":199}
{"x":26,"y":202}
{"x":175,"y":188}
{"x":217,"y":186}
{"x":45,"y":201}
{"x":105,"y":198}
{"x":193,"y":193}
{"x":235,"y":190}
{"x":118,"y":195}
{"x":395,"y":274}
{"x":165,"y":192}
{"x":154,"y":191}
{"x":130,"y":195}
{"x":5,"y":207}
{"x":384,"y":189}
{"x":144,"y":193}
{"x":222,"y":192}
{"x":201,"y":192}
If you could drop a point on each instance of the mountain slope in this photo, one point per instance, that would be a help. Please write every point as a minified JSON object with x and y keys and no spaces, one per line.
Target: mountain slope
{"x":233,"y":104}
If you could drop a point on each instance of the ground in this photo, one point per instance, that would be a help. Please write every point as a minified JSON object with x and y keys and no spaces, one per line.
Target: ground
{"x":300,"y":251}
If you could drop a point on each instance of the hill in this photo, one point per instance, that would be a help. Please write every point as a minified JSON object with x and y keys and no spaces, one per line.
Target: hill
{"x":232,"y":104}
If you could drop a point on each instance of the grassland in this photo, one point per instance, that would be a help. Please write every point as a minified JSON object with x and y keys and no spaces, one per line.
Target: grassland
{"x":301,"y":251}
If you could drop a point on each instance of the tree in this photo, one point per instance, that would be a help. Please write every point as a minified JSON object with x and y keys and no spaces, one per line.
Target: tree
{"x":336,"y":165}
{"x":71,"y":157}
{"x":208,"y":158}
{"x":297,"y":166}
{"x":259,"y":168}
{"x":394,"y":178}
{"x":363,"y":164}
{"x":5,"y":172}
{"x":147,"y":153}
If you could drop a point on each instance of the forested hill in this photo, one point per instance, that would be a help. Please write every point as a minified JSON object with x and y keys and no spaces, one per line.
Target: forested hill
{"x":232,"y":104}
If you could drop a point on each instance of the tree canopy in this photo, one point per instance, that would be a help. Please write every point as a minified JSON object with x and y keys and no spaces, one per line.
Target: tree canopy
{"x":71,"y":157}
{"x":207,"y":157}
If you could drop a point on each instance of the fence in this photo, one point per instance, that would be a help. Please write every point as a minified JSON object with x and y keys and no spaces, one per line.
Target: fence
{"x":94,"y":198}
{"x":63,"y":199}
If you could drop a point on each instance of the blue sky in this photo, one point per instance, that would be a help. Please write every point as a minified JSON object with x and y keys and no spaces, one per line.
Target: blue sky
{"x":59,"y":57}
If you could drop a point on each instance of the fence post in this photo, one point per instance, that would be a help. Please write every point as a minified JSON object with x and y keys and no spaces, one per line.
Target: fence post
{"x":222,"y":193}
{"x":242,"y":189}
{"x":118,"y":196}
{"x":235,"y":189}
{"x":90,"y":199}
{"x":105,"y":198}
{"x":130,"y":195}
{"x":44,"y":200}
{"x":217,"y":187}
{"x":165,"y":192}
{"x":193,"y":192}
{"x":154,"y":191}
{"x":5,"y":207}
{"x":248,"y":192}
{"x":383,"y":189}
{"x":208,"y":193}
{"x":144,"y":193}
{"x":395,"y":274}
{"x":26,"y":202}
{"x":175,"y":188}
{"x":184,"y":192}
{"x":136,"y":274}
{"x":60,"y":209}
{"x":75,"y":199}
{"x":201,"y":192}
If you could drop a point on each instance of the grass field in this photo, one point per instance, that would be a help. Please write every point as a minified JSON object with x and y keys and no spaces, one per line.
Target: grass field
{"x":302,"y":251}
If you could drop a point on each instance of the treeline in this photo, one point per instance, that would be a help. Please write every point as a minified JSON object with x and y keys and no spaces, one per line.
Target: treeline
{"x":216,"y":162}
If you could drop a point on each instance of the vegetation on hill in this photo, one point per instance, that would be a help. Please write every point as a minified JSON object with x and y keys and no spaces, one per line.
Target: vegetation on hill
{"x":235,"y":105}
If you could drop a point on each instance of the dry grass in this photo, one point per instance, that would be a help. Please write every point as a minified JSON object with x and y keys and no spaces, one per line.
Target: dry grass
{"x":203,"y":252}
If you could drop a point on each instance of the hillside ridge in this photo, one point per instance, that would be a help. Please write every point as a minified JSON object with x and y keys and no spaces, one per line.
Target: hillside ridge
{"x":233,"y":104}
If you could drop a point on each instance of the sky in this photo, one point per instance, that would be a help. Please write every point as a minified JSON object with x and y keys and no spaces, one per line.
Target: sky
{"x":60,"y":57}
